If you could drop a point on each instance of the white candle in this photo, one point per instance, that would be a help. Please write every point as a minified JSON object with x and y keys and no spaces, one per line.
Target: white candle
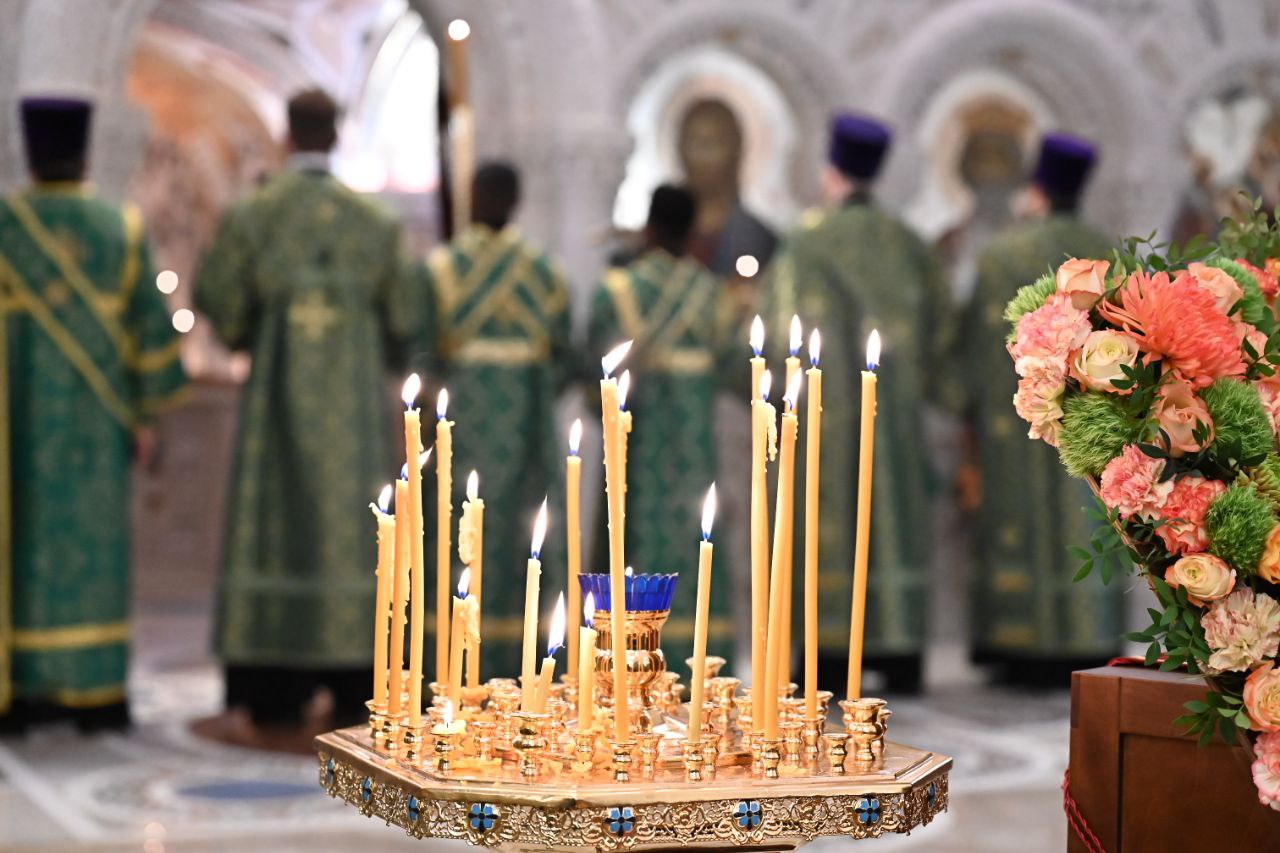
{"x":528,"y":674}
{"x":862,"y":540}
{"x":555,"y":642}
{"x":701,"y":616}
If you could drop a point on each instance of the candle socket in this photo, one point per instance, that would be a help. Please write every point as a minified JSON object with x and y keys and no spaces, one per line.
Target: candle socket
{"x":622,"y":750}
{"x":770,"y":756}
{"x":837,"y":750}
{"x":711,"y":741}
{"x":584,"y":750}
{"x":791,"y":739}
{"x":570,"y":688}
{"x":377,"y":718}
{"x":412,"y":742}
{"x":558,"y":727}
{"x":791,"y":709}
{"x":862,"y":723}
{"x":439,"y":693}
{"x":530,"y":741}
{"x":812,"y":735}
{"x":722,"y":692}
{"x":824,"y":702}
{"x":882,"y":719}
{"x":694,"y":759}
{"x":648,"y":743}
{"x":506,"y":703}
{"x":786,"y":691}
{"x":745,"y":723}
{"x":473,"y":699}
{"x":445,"y":743}
{"x":390,"y":735}
{"x":482,"y":732}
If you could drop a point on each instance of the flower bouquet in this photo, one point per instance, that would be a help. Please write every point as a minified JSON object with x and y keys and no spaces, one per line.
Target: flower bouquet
{"x":1155,"y":375}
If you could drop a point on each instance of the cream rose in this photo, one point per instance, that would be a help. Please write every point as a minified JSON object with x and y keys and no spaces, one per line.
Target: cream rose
{"x":1206,"y":577}
{"x":1262,"y":698}
{"x":1269,"y":565}
{"x":1083,"y":280}
{"x":1101,"y":358}
{"x":1226,"y":293}
{"x":1178,"y":412}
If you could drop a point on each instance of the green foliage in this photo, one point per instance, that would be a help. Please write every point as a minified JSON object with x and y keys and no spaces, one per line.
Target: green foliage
{"x":1143,"y":253}
{"x":1028,"y":299}
{"x":1176,"y":628}
{"x":1238,"y":522}
{"x":1108,"y":554}
{"x":1242,"y":430}
{"x":1266,"y":479}
{"x":1222,"y":711}
{"x":1095,"y":428}
{"x":1254,"y":236}
{"x":1253,"y":307}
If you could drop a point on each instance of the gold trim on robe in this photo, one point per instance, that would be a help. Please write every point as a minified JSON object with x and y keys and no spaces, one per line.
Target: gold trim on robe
{"x":70,"y":636}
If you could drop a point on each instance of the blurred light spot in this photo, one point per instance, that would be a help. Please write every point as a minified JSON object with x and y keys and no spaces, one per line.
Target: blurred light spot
{"x":184,"y":320}
{"x":153,"y":845}
{"x":747,"y":266}
{"x":153,"y":829}
{"x":459,"y":29}
{"x":167,"y":281}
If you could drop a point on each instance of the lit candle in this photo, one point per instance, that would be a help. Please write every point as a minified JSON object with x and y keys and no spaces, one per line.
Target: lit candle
{"x":417,"y":566}
{"x":471,"y":552}
{"x":385,"y":575}
{"x":587,"y":666}
{"x":399,"y":597}
{"x":701,"y":617}
{"x":862,"y":541}
{"x":573,"y":514}
{"x":617,"y":557}
{"x":555,"y":642}
{"x":457,"y":637}
{"x":788,"y":579}
{"x":624,"y":429}
{"x":756,"y":340}
{"x":761,"y":449}
{"x":812,"y":472}
{"x":777,"y":601}
{"x":448,"y":725}
{"x":444,"y":529}
{"x":533,"y":574}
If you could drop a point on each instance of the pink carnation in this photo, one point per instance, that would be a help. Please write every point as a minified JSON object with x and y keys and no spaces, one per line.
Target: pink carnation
{"x":1131,"y":484}
{"x":1266,"y":278}
{"x":1243,"y":630}
{"x":1039,"y":397}
{"x":1183,"y":531}
{"x":1266,"y":769}
{"x":1051,"y":331}
{"x":1270,"y":395}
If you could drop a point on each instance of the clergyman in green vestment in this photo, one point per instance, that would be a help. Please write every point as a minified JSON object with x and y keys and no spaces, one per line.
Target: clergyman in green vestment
{"x":308,"y":277}
{"x":497,"y":337}
{"x":675,"y":313}
{"x":1028,"y":512}
{"x":846,"y":272}
{"x":90,"y":358}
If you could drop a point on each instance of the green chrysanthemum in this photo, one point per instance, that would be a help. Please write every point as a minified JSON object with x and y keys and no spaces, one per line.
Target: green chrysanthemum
{"x":1238,"y":522}
{"x":1242,"y":430}
{"x":1028,"y":299}
{"x":1095,"y":428}
{"x":1266,"y":479}
{"x":1253,"y":307}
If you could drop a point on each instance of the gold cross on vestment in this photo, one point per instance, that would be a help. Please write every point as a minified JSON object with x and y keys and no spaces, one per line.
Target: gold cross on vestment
{"x":314,"y":314}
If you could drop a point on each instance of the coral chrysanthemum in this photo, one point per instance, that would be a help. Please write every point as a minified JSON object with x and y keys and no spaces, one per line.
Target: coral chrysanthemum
{"x":1177,"y":320}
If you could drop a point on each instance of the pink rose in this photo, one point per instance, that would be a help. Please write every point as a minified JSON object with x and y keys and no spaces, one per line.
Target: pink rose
{"x":1053,"y":331}
{"x":1206,"y":577}
{"x":1243,"y":630}
{"x":1101,"y":360}
{"x":1262,"y":697}
{"x":1269,"y":565}
{"x":1039,"y":397}
{"x":1083,"y":280}
{"x":1178,"y":411}
{"x":1266,"y":769}
{"x":1183,"y":511}
{"x":1270,"y":394}
{"x":1226,"y":293}
{"x":1131,"y":484}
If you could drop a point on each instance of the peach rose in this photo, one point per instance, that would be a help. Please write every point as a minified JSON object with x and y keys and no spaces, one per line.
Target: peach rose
{"x":1206,"y":577}
{"x":1083,"y":280}
{"x":1262,"y":697}
{"x":1178,"y":411}
{"x":1101,"y":358}
{"x":1226,"y":293}
{"x":1269,"y":565}
{"x":1266,"y":769}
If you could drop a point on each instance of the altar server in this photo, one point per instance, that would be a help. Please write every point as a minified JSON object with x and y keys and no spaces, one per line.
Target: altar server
{"x":1029,"y":615}
{"x":679,"y":319}
{"x":847,"y":271}
{"x":306,"y":276}
{"x":90,"y":359}
{"x":498,"y":339}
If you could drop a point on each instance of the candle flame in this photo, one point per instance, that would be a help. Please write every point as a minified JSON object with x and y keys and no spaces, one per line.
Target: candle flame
{"x":873,"y":350}
{"x":442,"y":403}
{"x":589,"y":610}
{"x":815,"y":347}
{"x":708,"y":512}
{"x":412,"y":387}
{"x":615,"y":356}
{"x":464,"y":582}
{"x":624,"y":388}
{"x":766,"y":384}
{"x":555,"y":634}
{"x":575,"y":436}
{"x":473,"y":486}
{"x":539,"y":531}
{"x":797,"y":334}
{"x":384,"y":497}
{"x":793,"y":390}
{"x":446,"y":713}
{"x":757,"y":335}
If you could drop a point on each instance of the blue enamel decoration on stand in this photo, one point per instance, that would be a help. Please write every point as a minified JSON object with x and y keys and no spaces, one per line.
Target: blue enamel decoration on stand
{"x":644,"y":592}
{"x":366,"y":789}
{"x":622,"y":821}
{"x":483,"y":816}
{"x":414,"y":808}
{"x":868,"y":810}
{"x":330,"y":770}
{"x":749,"y":814}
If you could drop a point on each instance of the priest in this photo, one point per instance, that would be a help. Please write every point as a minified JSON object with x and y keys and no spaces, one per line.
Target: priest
{"x":679,"y":320}
{"x":498,"y":339}
{"x":1029,"y":617}
{"x":848,"y":270}
{"x":91,"y":359}
{"x":307,"y":277}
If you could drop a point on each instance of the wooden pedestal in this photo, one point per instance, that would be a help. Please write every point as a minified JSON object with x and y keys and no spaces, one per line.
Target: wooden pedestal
{"x":1143,"y":785}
